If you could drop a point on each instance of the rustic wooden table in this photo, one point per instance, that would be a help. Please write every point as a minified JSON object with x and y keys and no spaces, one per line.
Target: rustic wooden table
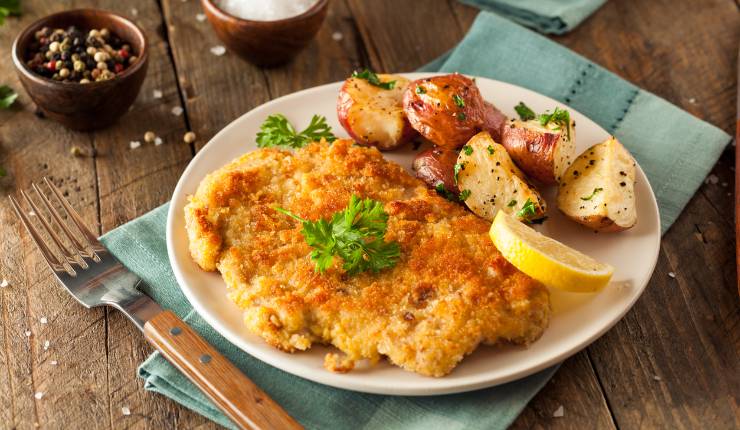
{"x":672,"y":362}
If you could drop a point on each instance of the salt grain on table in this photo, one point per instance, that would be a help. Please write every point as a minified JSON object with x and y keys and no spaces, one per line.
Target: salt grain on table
{"x":54,"y":362}
{"x":177,"y":111}
{"x":46,"y":345}
{"x":200,"y":17}
{"x":135,"y":144}
{"x":134,"y":12}
{"x":38,"y":395}
{"x":27,"y":333}
{"x":657,"y":378}
{"x":671,"y":274}
{"x":712,"y":179}
{"x":724,"y":184}
{"x":158,"y":141}
{"x":125,"y":410}
{"x":218,"y":50}
{"x":4,"y":283}
{"x":337,"y":36}
{"x":559,"y":412}
{"x":43,"y":320}
{"x":157,"y":94}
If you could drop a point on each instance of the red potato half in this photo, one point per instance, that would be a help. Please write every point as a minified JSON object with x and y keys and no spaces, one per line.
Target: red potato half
{"x":542,"y":152}
{"x":436,"y":166}
{"x":493,"y":121}
{"x":447,"y":110}
{"x":373,"y":115}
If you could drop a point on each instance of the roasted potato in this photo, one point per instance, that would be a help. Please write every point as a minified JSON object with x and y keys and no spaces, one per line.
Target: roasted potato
{"x":447,"y":110}
{"x":436,"y":167}
{"x":598,"y":189}
{"x":543,"y":152}
{"x":373,"y":115}
{"x":493,"y":121}
{"x":489,"y":181}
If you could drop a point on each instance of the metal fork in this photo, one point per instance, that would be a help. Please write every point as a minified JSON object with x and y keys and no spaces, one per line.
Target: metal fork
{"x":93,"y":276}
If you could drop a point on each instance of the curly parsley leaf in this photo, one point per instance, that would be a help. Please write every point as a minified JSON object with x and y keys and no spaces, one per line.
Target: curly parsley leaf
{"x":464,"y":194}
{"x":7,"y":96}
{"x":596,"y":190}
{"x":373,"y":79}
{"x":277,"y":131}
{"x":524,"y":112}
{"x":527,"y":211}
{"x":560,"y":117}
{"x":356,"y":235}
{"x":458,"y":101}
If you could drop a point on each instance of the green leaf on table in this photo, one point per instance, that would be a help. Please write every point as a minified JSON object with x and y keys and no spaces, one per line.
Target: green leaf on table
{"x":7,"y":96}
{"x":9,"y":7}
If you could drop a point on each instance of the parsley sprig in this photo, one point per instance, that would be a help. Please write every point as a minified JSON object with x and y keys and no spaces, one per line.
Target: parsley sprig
{"x":373,"y":79}
{"x":559,"y":117}
{"x":277,"y":131}
{"x":356,"y":235}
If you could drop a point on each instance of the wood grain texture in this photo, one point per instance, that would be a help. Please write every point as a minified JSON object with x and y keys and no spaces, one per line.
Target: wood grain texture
{"x":671,"y":363}
{"x":236,"y":395}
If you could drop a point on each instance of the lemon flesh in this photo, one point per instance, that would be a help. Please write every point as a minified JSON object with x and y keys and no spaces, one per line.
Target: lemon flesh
{"x":547,"y":260}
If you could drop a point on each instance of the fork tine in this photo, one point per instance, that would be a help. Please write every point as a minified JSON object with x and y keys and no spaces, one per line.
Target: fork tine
{"x":82,"y":249}
{"x":71,"y":257}
{"x":76,"y":218}
{"x":49,"y":256}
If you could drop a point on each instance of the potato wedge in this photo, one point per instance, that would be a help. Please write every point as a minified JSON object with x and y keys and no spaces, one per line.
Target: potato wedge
{"x":447,"y":110}
{"x":543,"y":152}
{"x":489,"y":181}
{"x":598,"y":189}
{"x":373,"y":115}
{"x":436,"y":166}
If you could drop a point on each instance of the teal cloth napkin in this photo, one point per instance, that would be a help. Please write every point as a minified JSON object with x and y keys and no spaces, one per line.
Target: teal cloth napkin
{"x":675,"y":149}
{"x":546,"y":16}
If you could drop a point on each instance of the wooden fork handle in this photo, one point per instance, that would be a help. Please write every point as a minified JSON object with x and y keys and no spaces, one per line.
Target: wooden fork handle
{"x":236,"y":395}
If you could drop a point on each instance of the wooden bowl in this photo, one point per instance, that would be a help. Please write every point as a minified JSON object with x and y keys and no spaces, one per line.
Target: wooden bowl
{"x":84,"y":106}
{"x":266,"y":43}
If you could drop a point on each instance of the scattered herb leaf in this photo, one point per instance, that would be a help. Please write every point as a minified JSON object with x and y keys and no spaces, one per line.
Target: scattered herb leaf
{"x":421,"y":90}
{"x":468,"y":150}
{"x":7,"y":96}
{"x":457,"y":169}
{"x":464,"y":194}
{"x":527,"y":211}
{"x":596,"y":190}
{"x":9,"y":7}
{"x":490,"y":149}
{"x":561,"y":117}
{"x":458,"y":100}
{"x":356,"y":235}
{"x":444,"y":192}
{"x":277,"y":131}
{"x":461,"y":116}
{"x":373,"y":79}
{"x":524,"y":112}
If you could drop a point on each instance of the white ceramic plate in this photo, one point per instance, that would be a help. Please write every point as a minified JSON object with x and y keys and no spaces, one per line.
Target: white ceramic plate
{"x":578,"y":319}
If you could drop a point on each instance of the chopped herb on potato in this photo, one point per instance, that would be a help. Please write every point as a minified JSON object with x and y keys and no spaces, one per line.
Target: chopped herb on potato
{"x":524,"y":111}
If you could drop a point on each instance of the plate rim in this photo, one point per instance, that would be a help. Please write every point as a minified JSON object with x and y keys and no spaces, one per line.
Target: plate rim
{"x":328,"y":378}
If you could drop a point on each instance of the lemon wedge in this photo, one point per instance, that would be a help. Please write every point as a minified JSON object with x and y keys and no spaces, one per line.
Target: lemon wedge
{"x":547,"y":260}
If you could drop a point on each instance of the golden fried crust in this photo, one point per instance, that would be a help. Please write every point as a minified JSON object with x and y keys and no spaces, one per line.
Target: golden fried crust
{"x":450,"y":291}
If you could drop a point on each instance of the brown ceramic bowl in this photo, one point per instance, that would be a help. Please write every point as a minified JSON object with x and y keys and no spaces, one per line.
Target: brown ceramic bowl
{"x":84,"y":106}
{"x":266,"y":43}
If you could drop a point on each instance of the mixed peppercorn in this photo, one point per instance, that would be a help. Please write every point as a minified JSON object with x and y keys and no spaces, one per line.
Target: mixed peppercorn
{"x":73,"y":55}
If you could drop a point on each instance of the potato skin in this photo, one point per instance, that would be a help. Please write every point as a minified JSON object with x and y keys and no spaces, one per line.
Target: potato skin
{"x":436,"y":166}
{"x":493,"y":121}
{"x":533,"y":149}
{"x":374,"y":116}
{"x":447,"y":110}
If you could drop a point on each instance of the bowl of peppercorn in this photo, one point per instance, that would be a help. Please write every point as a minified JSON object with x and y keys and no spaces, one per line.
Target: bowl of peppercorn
{"x":83,"y":68}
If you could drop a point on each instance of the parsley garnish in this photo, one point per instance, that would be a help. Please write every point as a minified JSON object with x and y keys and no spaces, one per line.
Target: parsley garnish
{"x":490,"y":149}
{"x":596,"y":190}
{"x":421,"y":90}
{"x":511,"y":204}
{"x":461,"y":116}
{"x":444,"y":192}
{"x":524,"y":111}
{"x":458,"y":100}
{"x":356,"y":235}
{"x":527,"y":211}
{"x":277,"y":131}
{"x":561,"y":117}
{"x":458,"y":167}
{"x":464,"y":194}
{"x":468,"y":150}
{"x":7,"y":96}
{"x":373,"y":79}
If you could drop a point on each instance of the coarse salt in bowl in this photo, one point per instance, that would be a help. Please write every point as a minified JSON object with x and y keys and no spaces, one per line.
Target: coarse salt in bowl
{"x":265,"y":10}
